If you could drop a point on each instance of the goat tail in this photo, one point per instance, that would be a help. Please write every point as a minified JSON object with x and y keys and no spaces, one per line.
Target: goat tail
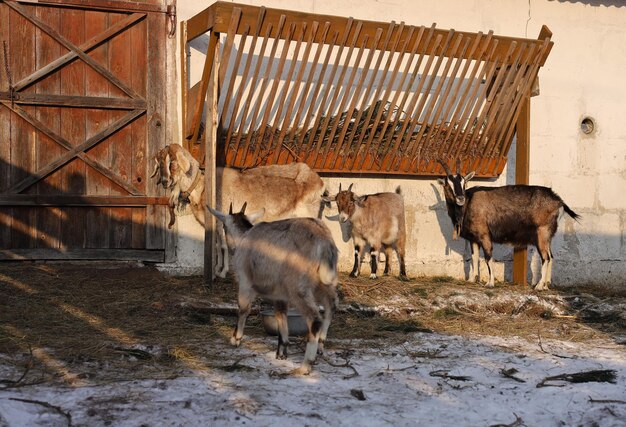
{"x":570,"y":212}
{"x":398,"y":190}
{"x":328,"y":256}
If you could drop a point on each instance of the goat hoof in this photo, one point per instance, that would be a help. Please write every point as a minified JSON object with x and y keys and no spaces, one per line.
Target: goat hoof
{"x":281,"y":356}
{"x":235,"y":342}
{"x":373,"y":276}
{"x":353,"y":274}
{"x":541,"y":286}
{"x":489,"y":285}
{"x":302,"y":370}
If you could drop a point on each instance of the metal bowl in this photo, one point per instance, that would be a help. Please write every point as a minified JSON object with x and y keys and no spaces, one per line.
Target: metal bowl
{"x":295,"y":323}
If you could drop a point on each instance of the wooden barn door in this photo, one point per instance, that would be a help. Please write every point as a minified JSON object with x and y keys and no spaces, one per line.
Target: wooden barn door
{"x":82,"y":113}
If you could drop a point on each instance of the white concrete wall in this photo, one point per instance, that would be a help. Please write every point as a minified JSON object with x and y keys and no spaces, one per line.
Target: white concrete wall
{"x":583,"y":77}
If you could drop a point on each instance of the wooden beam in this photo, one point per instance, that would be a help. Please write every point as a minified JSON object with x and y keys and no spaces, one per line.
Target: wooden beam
{"x":82,"y":254}
{"x":83,"y":201}
{"x":522,"y":172}
{"x":75,"y":101}
{"x":104,"y":5}
{"x":209,"y":168}
{"x":217,"y":18}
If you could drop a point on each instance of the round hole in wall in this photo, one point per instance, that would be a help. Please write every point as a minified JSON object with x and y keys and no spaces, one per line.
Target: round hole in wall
{"x":587,"y":125}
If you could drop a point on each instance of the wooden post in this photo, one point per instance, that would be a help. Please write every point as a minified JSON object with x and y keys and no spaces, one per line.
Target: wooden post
{"x":522,"y":172}
{"x":209,"y":159}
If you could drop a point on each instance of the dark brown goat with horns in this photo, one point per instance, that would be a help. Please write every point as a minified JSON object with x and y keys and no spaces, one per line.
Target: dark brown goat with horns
{"x":519,"y":215}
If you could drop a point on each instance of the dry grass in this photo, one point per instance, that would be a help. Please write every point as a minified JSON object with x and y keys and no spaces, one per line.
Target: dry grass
{"x":90,"y":317}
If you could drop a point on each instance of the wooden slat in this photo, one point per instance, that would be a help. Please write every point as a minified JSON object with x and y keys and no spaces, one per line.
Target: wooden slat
{"x":82,"y":254}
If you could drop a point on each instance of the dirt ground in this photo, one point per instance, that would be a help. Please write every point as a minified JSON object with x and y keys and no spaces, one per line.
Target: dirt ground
{"x":69,"y":322}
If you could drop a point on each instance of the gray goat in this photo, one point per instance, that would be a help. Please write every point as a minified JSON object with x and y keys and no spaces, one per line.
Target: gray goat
{"x":519,"y":215}
{"x":291,"y":262}
{"x":377,"y":220}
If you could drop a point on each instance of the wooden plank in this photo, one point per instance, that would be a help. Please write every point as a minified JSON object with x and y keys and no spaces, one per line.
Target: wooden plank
{"x":22,"y":60}
{"x":216,"y":17}
{"x":76,"y":200}
{"x":139,"y":138}
{"x":6,"y":214}
{"x":121,"y":144}
{"x":522,"y":175}
{"x":51,"y":100}
{"x":49,"y":221}
{"x":72,"y":28}
{"x":97,"y":220}
{"x":82,"y":254}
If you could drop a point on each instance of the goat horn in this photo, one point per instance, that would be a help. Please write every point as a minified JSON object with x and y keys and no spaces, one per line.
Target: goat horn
{"x":230,"y":209}
{"x":243,"y":208}
{"x":156,"y":168}
{"x":340,"y":187}
{"x":350,"y":188}
{"x":445,"y":167}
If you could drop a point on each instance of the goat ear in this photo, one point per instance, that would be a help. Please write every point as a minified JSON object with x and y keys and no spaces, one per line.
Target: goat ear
{"x":359,"y":200}
{"x":156,"y":168}
{"x":183,"y":161}
{"x":217,"y":214}
{"x":441,"y":182}
{"x":469,"y":176}
{"x":254,"y":217}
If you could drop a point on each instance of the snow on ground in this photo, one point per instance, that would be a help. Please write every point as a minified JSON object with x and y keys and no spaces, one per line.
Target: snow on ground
{"x":431,"y":379}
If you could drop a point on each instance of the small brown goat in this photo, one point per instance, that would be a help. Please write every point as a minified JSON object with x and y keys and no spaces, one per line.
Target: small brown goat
{"x":291,"y":262}
{"x":519,"y":215}
{"x":285,"y":191}
{"x":377,"y":220}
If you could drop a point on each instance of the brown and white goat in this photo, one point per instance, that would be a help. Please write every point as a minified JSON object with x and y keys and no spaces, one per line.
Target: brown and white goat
{"x":292,"y":262}
{"x":377,"y":220}
{"x":285,"y":191}
{"x":519,"y":215}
